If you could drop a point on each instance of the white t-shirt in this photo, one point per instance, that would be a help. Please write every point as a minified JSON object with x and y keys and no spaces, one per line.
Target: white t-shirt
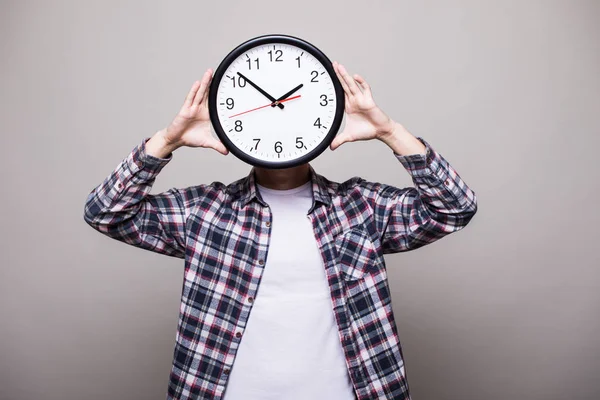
{"x":290,"y":349}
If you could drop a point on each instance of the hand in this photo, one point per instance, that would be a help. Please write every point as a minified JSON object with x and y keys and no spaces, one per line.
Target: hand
{"x":191,"y":127}
{"x":364,"y":120}
{"x":266,"y":105}
{"x":288,"y":94}
{"x":255,"y":86}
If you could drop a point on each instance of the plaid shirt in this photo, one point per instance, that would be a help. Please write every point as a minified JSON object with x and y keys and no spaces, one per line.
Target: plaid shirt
{"x":222,"y":233}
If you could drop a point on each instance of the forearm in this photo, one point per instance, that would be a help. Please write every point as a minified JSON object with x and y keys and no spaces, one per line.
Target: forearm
{"x":401,"y":141}
{"x":439,"y":203}
{"x":122,"y":207}
{"x":128,"y":184}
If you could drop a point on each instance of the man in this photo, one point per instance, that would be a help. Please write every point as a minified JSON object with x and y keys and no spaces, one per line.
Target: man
{"x":285,"y":292}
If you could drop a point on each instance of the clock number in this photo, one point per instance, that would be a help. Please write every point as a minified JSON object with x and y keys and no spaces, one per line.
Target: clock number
{"x":249,"y":61}
{"x":299,"y":143}
{"x":257,"y":142}
{"x":278,"y":147}
{"x":241,"y":81}
{"x":238,"y":126}
{"x":317,"y":123}
{"x":314,"y":78}
{"x":324,"y":100}
{"x":298,"y":59}
{"x":278,"y":54}
{"x":230,"y":103}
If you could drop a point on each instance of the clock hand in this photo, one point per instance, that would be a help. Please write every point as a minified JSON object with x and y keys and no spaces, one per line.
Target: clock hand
{"x":267,"y":95}
{"x":270,"y":104}
{"x":279,"y":100}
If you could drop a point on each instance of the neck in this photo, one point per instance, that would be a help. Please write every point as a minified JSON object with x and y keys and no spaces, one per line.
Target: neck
{"x":282,"y":179}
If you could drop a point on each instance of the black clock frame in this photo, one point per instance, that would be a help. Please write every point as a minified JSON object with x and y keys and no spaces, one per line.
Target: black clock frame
{"x":280,"y":39}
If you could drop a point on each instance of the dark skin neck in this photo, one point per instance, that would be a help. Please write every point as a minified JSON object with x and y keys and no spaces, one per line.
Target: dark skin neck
{"x":282,"y":179}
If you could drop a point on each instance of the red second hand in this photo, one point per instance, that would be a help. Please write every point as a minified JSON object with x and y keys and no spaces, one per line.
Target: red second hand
{"x":258,"y":108}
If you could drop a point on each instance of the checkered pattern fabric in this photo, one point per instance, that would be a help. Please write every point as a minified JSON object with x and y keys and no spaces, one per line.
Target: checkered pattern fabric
{"x":222,"y":233}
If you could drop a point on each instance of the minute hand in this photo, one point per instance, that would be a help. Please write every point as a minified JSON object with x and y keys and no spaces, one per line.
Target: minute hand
{"x":288,"y":94}
{"x":255,"y":86}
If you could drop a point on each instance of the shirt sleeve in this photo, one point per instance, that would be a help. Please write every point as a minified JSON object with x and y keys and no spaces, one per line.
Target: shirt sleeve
{"x":439,"y":203}
{"x":122,"y":208}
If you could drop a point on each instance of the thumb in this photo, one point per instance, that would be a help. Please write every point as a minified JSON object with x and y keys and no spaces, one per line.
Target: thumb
{"x":217,"y":145}
{"x":338,"y":141}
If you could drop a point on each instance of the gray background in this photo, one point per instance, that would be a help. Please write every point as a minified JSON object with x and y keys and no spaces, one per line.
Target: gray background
{"x":507,"y":91}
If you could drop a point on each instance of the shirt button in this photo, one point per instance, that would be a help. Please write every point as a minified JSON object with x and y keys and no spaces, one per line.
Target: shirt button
{"x":446,"y":182}
{"x":250,"y":299}
{"x":119,"y":185}
{"x":261,"y":262}
{"x":226,"y":371}
{"x":268,"y":224}
{"x":238,"y":335}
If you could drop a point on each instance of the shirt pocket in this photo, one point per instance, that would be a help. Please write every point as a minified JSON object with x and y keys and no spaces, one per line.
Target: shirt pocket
{"x":356,"y":253}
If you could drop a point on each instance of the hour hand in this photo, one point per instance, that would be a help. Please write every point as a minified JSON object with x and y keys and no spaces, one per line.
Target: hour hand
{"x":255,"y":86}
{"x":288,"y":94}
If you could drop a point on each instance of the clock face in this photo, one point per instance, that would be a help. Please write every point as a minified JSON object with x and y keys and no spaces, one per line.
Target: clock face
{"x":275,"y":101}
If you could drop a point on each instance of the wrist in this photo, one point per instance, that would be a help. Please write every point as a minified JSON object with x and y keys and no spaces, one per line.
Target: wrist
{"x":159,"y":146}
{"x":391,"y":132}
{"x":401,"y":141}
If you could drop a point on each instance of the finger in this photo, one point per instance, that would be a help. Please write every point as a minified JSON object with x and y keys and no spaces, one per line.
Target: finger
{"x":203,"y":83}
{"x":341,"y":79}
{"x":205,"y":98}
{"x":342,"y":82}
{"x":191,"y":94}
{"x":349,"y":80}
{"x":363,"y":85}
{"x":217,"y":145}
{"x":338,"y":141}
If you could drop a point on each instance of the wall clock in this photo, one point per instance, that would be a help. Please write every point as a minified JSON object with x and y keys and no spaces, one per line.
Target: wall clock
{"x":275,"y":101}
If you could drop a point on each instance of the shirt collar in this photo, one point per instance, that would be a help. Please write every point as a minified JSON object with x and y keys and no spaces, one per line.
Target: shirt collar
{"x":245,"y":190}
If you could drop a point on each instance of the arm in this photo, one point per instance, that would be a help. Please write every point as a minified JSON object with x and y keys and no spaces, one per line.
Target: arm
{"x":122,"y":207}
{"x":406,"y":218}
{"x":440,"y":202}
